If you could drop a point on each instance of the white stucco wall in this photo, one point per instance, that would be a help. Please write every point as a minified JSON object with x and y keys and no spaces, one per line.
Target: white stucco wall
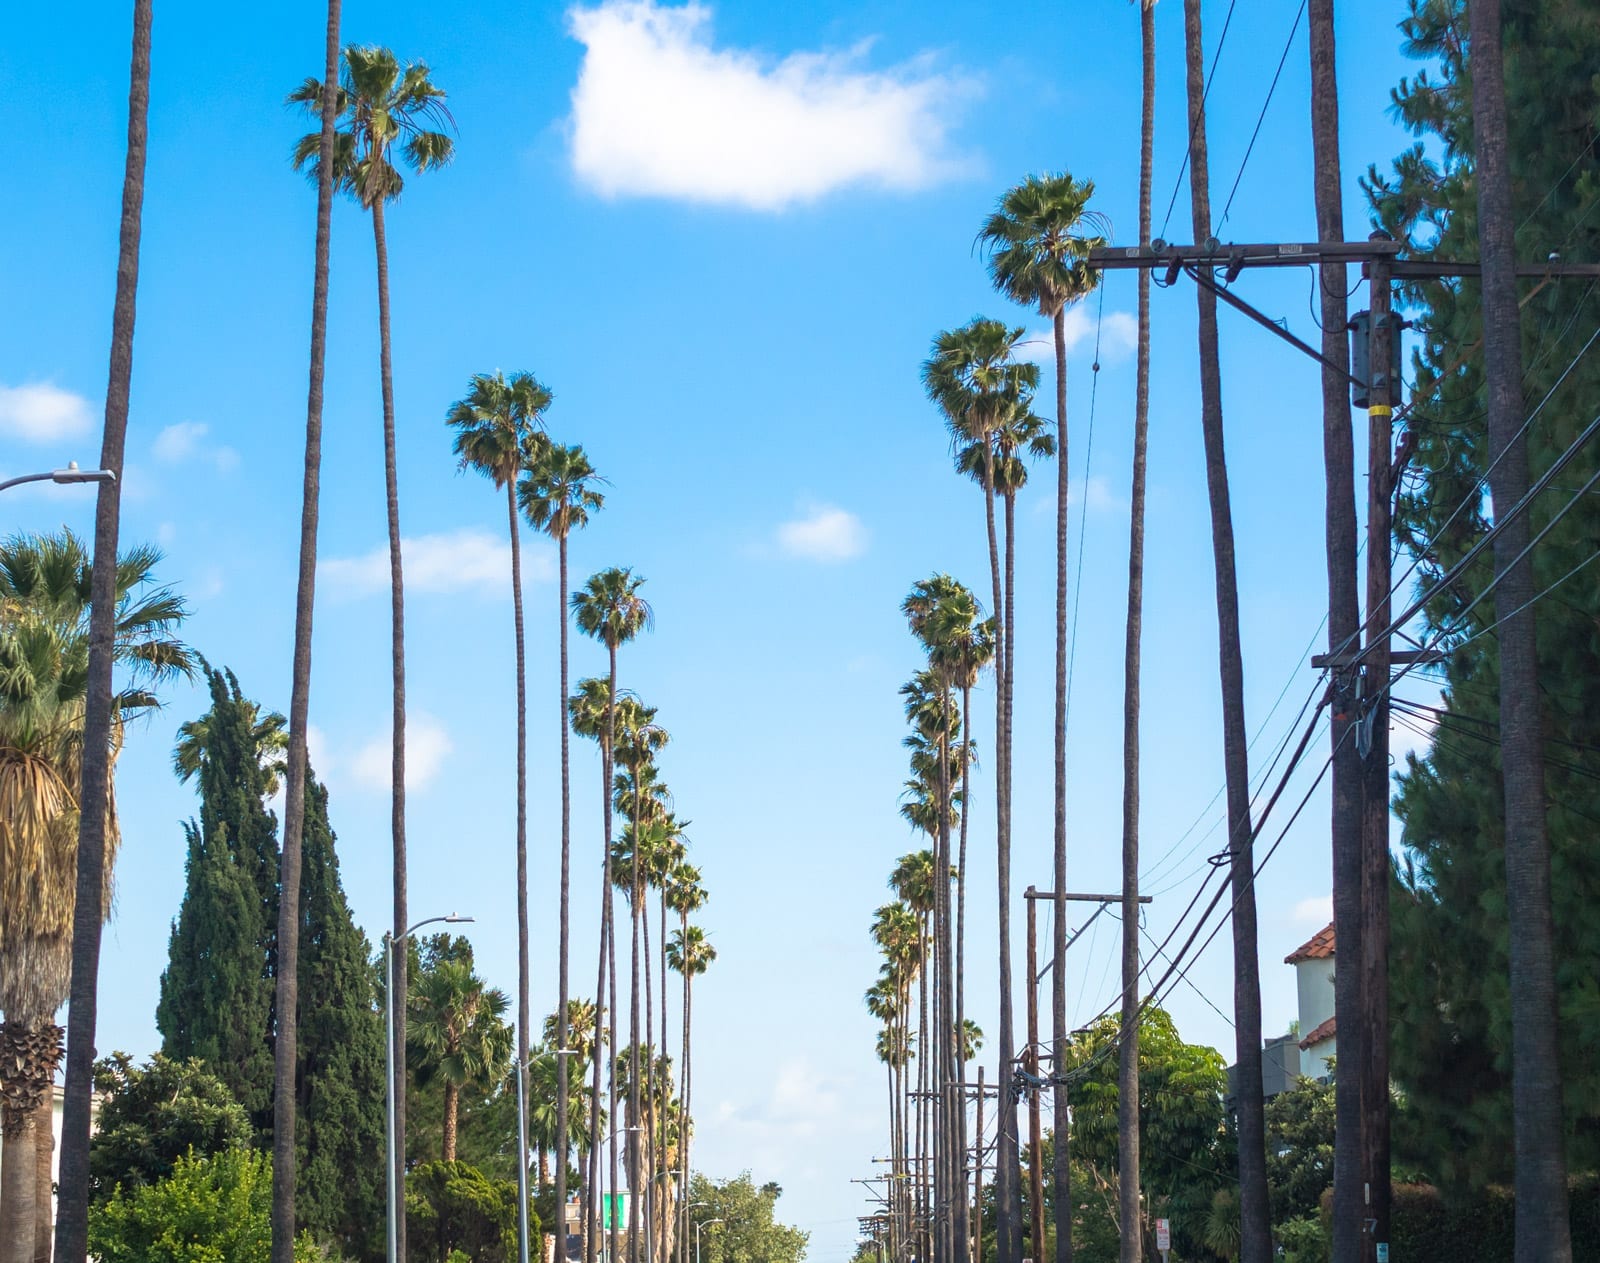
{"x":1314,"y":983}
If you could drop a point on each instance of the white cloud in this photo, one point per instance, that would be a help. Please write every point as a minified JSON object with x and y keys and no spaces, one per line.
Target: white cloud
{"x":185,"y":440}
{"x":659,"y":111}
{"x":39,"y":412}
{"x":427,"y":746}
{"x":1316,"y":910}
{"x":823,"y":532}
{"x":463,"y":560}
{"x":1100,"y":497}
{"x":1118,"y":335}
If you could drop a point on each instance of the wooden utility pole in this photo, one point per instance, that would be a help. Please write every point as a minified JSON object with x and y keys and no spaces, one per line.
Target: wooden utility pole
{"x":977,"y":1178}
{"x":1373,"y":743}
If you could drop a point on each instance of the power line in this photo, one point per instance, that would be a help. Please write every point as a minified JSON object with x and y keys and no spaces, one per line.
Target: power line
{"x":1262,"y":117}
{"x":1205,"y":96}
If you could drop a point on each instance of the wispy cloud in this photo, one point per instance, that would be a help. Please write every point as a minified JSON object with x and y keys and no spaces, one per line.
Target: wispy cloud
{"x":186,"y":441}
{"x":39,"y":412}
{"x":823,"y":532}
{"x":660,"y":111}
{"x":464,"y":560}
{"x":1117,"y":333}
{"x":427,"y":747}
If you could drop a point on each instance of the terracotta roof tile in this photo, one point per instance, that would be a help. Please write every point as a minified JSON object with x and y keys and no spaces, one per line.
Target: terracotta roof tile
{"x":1318,"y":947}
{"x":1325,"y":1031}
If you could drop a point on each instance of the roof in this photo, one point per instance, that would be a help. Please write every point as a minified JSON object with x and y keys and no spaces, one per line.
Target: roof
{"x":1325,"y":1031}
{"x":1318,"y":947}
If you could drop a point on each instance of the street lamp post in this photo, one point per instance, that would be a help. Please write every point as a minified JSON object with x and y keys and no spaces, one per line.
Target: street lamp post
{"x":697,"y":1229}
{"x":391,"y":1182}
{"x":68,"y":475}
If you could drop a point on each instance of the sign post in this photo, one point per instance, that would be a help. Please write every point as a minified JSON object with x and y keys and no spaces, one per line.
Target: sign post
{"x":1164,"y":1238}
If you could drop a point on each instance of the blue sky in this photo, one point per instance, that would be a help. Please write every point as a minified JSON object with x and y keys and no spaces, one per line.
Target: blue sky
{"x":724,"y":237}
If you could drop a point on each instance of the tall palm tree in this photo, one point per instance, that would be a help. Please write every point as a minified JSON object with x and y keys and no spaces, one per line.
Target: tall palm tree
{"x":46,"y":582}
{"x":685,"y":895}
{"x":557,"y":492}
{"x":1036,"y":245}
{"x":975,"y":379}
{"x":499,"y":426}
{"x":608,"y":608}
{"x":1543,"y":1231}
{"x":383,"y":105}
{"x":72,"y":1229}
{"x":457,"y":1037}
{"x":690,"y":954}
{"x":897,"y":932}
{"x":1130,"y":1219}
{"x":1254,"y":1212}
{"x":286,"y":1049}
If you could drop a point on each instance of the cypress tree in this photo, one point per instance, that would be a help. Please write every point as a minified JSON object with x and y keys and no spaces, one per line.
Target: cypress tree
{"x":216,"y":993}
{"x":339,"y":1129}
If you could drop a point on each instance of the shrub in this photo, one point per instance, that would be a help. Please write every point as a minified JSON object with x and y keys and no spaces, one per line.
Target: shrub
{"x":209,"y":1210}
{"x":452,"y":1207}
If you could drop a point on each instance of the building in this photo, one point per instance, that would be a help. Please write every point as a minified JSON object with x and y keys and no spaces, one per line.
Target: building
{"x":1313,"y":966}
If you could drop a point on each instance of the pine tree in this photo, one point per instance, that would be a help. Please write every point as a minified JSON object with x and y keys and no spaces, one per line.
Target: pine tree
{"x":216,"y":993}
{"x":339,"y":1132}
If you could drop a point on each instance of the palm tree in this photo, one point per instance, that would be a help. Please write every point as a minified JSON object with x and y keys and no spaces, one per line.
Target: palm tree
{"x":1254,"y":1212}
{"x":457,"y":1036}
{"x":1543,"y":1231}
{"x":608,"y":608}
{"x":1036,"y":246}
{"x":690,"y":954}
{"x":381,"y":105}
{"x":543,"y":1130}
{"x":268,"y":730}
{"x":897,"y":932}
{"x":46,"y":583}
{"x":499,"y":425}
{"x":72,"y":1230}
{"x":685,"y":895}
{"x":1130,"y":1219}
{"x":557,"y":493}
{"x":285,"y":1047}
{"x":975,"y":379}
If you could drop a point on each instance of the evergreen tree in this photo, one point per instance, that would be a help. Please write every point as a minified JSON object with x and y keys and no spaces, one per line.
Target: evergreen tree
{"x":339,"y":1131}
{"x":1449,"y":964}
{"x":217,"y":992}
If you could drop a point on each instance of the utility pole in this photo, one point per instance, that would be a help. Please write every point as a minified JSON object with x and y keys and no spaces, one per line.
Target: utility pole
{"x":977,"y":1181}
{"x":1373,"y":744}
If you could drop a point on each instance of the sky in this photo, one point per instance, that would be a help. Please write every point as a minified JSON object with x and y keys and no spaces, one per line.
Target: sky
{"x":724,"y":235}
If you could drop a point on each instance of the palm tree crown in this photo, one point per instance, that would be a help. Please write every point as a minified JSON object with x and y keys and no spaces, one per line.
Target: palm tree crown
{"x":609,"y":608}
{"x":381,"y":104}
{"x":1037,"y":245}
{"x":557,"y":490}
{"x":499,"y":424}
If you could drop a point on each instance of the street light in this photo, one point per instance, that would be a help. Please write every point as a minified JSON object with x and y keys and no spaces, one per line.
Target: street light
{"x":392,"y":1252}
{"x":697,"y":1229}
{"x":70,"y":474}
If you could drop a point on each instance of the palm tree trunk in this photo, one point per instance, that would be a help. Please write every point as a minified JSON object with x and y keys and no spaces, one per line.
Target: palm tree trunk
{"x":285,"y":1048}
{"x":44,"y":1134}
{"x":1254,"y":1212}
{"x":1543,"y":1231}
{"x":397,"y":614}
{"x":72,"y":1227}
{"x":544,"y":1169}
{"x":1344,"y":620}
{"x":1008,"y":1209}
{"x":609,"y":761}
{"x":26,"y":1049}
{"x":1129,"y":1217}
{"x":637,"y":1071}
{"x":961,"y":961}
{"x":1058,"y":937}
{"x":452,"y":1106}
{"x":523,"y":1015}
{"x":594,"y":1215}
{"x":562,"y":996}
{"x":685,"y":1123}
{"x":652,"y":1121}
{"x":670,"y":1197}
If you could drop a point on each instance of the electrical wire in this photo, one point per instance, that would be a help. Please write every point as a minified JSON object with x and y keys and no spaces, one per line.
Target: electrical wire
{"x":1261,"y":118}
{"x":1083,"y":513}
{"x":1205,"y":96}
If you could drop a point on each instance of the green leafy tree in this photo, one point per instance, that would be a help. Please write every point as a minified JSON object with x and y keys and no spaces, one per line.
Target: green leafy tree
{"x":458,"y":1038}
{"x":154,"y":1115}
{"x":453,"y":1207}
{"x":1300,"y":1149}
{"x":339,"y":1127}
{"x":749,"y":1231}
{"x":209,"y":1210}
